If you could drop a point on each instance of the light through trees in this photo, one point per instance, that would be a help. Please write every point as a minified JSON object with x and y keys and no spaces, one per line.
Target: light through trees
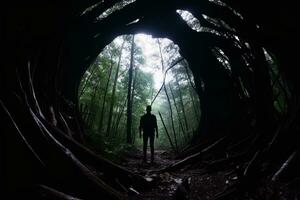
{"x":131,"y":72}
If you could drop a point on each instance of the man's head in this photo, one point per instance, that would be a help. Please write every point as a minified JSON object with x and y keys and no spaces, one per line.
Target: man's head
{"x":148,"y":109}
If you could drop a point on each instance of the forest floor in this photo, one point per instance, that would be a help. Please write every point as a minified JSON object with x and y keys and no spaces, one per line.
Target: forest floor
{"x":190,"y":183}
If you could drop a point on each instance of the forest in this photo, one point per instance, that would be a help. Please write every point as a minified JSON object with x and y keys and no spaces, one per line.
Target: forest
{"x":104,"y":87}
{"x":221,"y":77}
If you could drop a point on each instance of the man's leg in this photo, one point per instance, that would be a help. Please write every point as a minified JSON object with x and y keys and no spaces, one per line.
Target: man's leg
{"x":152,"y":146}
{"x":145,"y":141}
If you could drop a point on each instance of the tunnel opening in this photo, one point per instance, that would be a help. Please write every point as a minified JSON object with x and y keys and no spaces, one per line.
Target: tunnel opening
{"x":243,"y":74}
{"x":156,"y":80}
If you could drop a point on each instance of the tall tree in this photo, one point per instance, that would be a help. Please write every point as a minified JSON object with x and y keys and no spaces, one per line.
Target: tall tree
{"x":177,"y":111}
{"x":112,"y":101}
{"x":87,"y":79}
{"x":104,"y":97}
{"x":167,"y":95}
{"x":192,"y":91}
{"x":181,"y":101}
{"x":129,"y":100}
{"x":135,"y":74}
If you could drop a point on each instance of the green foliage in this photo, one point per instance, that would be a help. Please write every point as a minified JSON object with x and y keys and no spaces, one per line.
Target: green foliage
{"x":183,"y":98}
{"x":95,"y":140}
{"x":96,"y":95}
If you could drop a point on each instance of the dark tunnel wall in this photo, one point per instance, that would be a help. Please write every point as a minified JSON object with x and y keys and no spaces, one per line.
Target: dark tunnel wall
{"x":56,"y":40}
{"x":59,"y":43}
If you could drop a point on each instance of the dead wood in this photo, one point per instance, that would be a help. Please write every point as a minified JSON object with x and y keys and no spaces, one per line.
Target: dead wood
{"x":193,"y":158}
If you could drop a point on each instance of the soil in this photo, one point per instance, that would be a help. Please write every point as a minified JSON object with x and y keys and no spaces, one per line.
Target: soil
{"x":186,"y":183}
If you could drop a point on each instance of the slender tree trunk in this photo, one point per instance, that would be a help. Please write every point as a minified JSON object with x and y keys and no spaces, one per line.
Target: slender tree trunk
{"x":91,"y":113}
{"x":119,"y":117}
{"x":178,"y":114}
{"x":104,"y":97}
{"x":192,"y":93}
{"x":119,"y":111}
{"x":171,"y":143}
{"x":181,"y":102}
{"x":129,"y":100}
{"x":172,"y":118}
{"x":135,"y":74}
{"x":161,"y":56}
{"x":188,"y":74}
{"x":86,"y":81}
{"x":112,"y":102}
{"x":196,"y":108}
{"x":169,"y":102}
{"x":132,"y":99}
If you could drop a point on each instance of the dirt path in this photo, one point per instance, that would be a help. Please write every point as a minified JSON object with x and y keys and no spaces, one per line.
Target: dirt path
{"x":183,"y":184}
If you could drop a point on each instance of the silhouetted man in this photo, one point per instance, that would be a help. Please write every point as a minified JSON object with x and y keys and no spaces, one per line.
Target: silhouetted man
{"x":148,"y":125}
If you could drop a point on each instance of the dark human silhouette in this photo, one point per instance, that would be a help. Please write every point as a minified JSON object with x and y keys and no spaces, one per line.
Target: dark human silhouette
{"x":148,"y":125}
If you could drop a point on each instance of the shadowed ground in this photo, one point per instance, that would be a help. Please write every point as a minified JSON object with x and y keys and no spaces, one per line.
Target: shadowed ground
{"x":168,"y":185}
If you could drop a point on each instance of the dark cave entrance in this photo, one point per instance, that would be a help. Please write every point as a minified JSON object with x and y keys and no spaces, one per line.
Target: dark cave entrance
{"x":224,"y":70}
{"x":161,"y":77}
{"x":244,"y":98}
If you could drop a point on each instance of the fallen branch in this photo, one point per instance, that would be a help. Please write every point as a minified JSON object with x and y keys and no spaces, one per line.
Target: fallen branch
{"x":228,"y":162}
{"x":251,"y":164}
{"x":171,"y":143}
{"x":165,"y":74}
{"x":50,"y":193}
{"x":98,"y":162}
{"x":21,"y":134}
{"x":284,"y":166}
{"x":192,"y":158}
{"x":79,"y":168}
